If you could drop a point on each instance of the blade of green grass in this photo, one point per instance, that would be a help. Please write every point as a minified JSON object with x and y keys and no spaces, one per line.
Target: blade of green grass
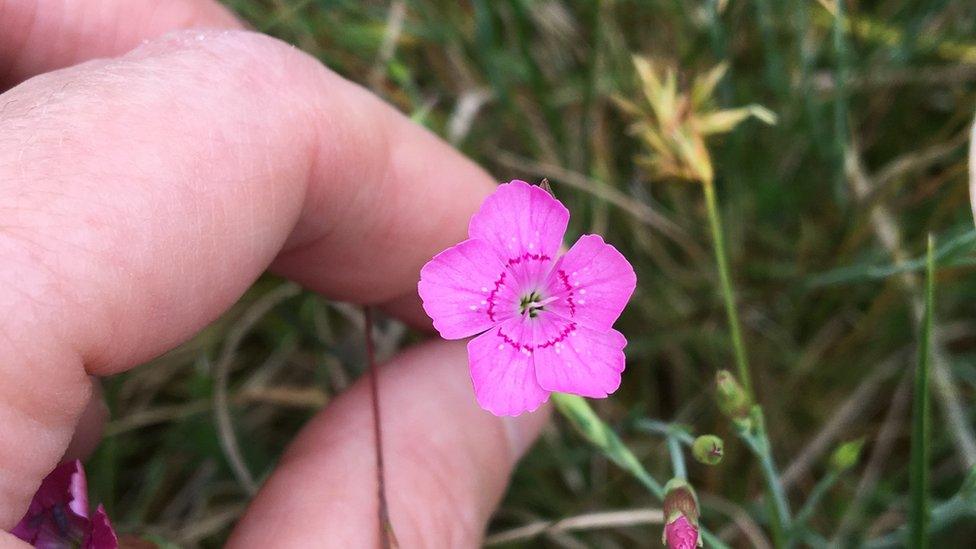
{"x":841,"y":130}
{"x":955,"y":252}
{"x":958,"y":507}
{"x":919,"y":511}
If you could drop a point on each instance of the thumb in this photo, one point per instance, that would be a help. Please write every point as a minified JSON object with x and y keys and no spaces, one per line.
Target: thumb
{"x":447,"y":462}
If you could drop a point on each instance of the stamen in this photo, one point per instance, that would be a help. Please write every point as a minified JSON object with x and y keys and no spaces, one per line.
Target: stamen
{"x":532,"y":304}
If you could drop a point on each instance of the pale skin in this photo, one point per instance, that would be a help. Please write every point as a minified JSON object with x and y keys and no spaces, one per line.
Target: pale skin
{"x":148,"y":176}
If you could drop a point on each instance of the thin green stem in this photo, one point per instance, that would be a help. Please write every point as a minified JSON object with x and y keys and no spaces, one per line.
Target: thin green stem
{"x":841,"y":136}
{"x":816,"y":495}
{"x":772,"y":483}
{"x":666,"y":429}
{"x":919,"y":479}
{"x":779,"y":508}
{"x":677,"y":458}
{"x":757,"y":440}
{"x":728,"y":294}
{"x":776,"y":504}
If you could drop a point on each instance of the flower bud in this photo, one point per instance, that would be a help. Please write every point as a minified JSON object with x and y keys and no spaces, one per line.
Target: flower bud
{"x":544,"y":185}
{"x":732,"y":398}
{"x":681,"y":529}
{"x":846,"y":455}
{"x":708,"y":449}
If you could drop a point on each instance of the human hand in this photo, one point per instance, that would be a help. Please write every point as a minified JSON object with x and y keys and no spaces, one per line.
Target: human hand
{"x":145,"y":185}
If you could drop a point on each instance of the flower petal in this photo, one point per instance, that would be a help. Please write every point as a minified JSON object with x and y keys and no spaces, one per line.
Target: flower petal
{"x":502,"y":374}
{"x":28,"y":527}
{"x":78,"y":489}
{"x":520,"y":219}
{"x":583,"y":362}
{"x":59,"y":509}
{"x":102,"y":535}
{"x":65,"y":485}
{"x":594,"y":282}
{"x":465,"y":290}
{"x":681,"y":534}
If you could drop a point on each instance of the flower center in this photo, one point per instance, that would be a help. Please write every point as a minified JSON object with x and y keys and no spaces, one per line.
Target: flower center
{"x":532,"y":303}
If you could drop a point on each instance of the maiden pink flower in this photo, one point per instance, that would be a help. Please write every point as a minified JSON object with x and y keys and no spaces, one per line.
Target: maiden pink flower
{"x":58,"y":515}
{"x":545,"y":322}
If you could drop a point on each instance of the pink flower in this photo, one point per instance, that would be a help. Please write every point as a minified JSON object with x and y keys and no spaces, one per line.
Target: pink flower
{"x":545,"y":321}
{"x":58,"y":514}
{"x":681,"y":534}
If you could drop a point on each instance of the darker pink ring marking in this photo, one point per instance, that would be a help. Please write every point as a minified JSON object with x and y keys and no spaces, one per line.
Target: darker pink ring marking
{"x":563,"y":334}
{"x":501,"y":280}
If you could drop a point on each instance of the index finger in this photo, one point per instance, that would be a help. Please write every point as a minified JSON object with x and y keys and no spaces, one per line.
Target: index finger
{"x":139,"y":198}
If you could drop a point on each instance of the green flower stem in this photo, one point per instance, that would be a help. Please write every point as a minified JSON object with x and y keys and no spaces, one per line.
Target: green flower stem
{"x":579,"y":413}
{"x":677,"y":458}
{"x":666,"y":429}
{"x":755,"y":437}
{"x":728,"y":294}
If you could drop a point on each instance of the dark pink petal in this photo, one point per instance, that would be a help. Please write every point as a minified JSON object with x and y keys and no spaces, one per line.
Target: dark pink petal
{"x":520,"y":220}
{"x":101,"y":535}
{"x":59,"y":509}
{"x":28,"y":527}
{"x":67,"y":530}
{"x":583,"y":362}
{"x":67,"y":485}
{"x":466,"y":290}
{"x":502,"y":374}
{"x":593,"y":281}
{"x":681,"y":534}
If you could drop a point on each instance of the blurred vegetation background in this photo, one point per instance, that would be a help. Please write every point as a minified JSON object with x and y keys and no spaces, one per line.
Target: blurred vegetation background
{"x":825,"y":218}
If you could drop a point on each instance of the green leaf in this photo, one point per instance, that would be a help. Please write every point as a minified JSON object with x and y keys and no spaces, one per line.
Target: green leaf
{"x":919,"y":511}
{"x":593,"y":429}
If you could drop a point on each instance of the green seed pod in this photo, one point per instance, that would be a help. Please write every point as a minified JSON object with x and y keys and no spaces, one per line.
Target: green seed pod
{"x":708,"y":449}
{"x":846,"y":455}
{"x":732,"y":398}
